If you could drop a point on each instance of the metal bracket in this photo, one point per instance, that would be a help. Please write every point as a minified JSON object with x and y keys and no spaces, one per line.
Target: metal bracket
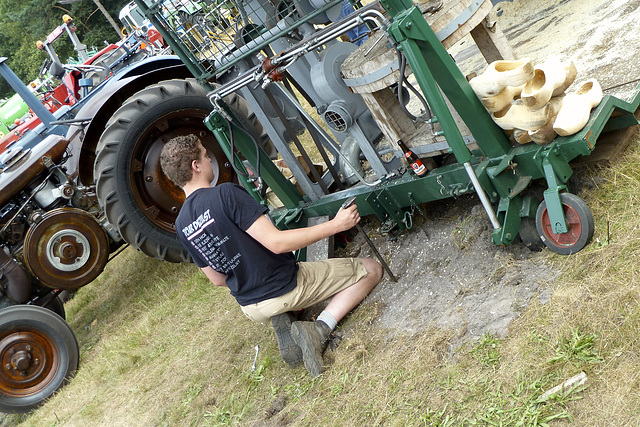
{"x":552,"y":199}
{"x":555,"y":210}
{"x":385,"y":207}
{"x":294,"y":216}
{"x":557,"y":172}
{"x":509,"y":210}
{"x":509,"y":183}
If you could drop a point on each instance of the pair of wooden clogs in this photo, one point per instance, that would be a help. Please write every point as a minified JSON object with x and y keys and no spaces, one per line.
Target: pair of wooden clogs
{"x":529,"y":100}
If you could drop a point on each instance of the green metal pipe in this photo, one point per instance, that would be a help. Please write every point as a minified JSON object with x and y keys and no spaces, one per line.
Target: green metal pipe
{"x":283,"y":188}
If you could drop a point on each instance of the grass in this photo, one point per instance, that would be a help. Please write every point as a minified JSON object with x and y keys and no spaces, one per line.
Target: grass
{"x":160,"y":346}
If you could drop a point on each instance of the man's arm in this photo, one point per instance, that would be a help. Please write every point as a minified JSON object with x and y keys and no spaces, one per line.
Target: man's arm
{"x":282,"y":241}
{"x":216,"y":278}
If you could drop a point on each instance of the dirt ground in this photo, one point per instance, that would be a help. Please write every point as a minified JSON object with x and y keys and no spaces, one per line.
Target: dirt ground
{"x":450,"y":274}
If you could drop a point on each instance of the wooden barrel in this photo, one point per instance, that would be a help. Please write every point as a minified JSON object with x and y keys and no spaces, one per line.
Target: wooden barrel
{"x":373,"y":67}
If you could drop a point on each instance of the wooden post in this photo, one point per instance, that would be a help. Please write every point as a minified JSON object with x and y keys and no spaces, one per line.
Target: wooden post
{"x":491,"y":42}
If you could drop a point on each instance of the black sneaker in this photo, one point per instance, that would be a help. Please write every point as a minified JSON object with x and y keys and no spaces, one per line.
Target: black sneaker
{"x":312,"y":339}
{"x":289,"y":350}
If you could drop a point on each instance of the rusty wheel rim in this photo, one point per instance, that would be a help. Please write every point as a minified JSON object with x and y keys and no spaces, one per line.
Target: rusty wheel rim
{"x":157,"y":197}
{"x":30,"y":360}
{"x":67,"y":249}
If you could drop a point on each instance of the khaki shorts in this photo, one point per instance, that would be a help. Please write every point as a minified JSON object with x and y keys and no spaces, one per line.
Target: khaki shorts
{"x":317,"y":281}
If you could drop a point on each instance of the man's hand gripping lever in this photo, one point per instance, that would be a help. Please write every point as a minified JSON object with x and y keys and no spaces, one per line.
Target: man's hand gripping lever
{"x":347,"y":216}
{"x":349,"y":212}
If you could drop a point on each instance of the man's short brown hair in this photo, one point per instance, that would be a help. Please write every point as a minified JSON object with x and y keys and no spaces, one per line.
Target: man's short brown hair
{"x":177,"y":155}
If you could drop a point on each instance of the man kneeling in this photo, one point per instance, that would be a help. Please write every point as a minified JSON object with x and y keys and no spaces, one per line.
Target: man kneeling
{"x":230,"y":238}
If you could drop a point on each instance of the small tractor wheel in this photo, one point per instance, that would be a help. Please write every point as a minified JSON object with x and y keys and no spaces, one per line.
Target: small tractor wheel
{"x":580,"y":226}
{"x":38,"y":354}
{"x":138,"y":199}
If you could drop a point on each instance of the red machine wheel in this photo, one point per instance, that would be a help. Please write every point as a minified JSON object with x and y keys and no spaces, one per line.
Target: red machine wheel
{"x":580,"y":225}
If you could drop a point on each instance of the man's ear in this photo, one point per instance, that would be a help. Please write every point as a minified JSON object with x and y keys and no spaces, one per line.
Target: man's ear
{"x":195,"y":167}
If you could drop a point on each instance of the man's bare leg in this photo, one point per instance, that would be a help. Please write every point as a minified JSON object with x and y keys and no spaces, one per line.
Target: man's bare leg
{"x":312,"y":336}
{"x":346,"y":300}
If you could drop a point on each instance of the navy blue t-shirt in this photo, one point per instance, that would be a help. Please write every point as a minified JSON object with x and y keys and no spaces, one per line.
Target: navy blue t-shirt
{"x":212,"y":227}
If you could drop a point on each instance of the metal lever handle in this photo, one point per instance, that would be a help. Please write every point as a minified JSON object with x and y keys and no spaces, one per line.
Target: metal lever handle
{"x":384,"y":264}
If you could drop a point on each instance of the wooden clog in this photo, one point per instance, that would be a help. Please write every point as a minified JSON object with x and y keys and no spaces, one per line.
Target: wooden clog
{"x":571,"y":72}
{"x":576,"y":108}
{"x":500,"y":74}
{"x":546,"y":134}
{"x":518,"y":116}
{"x":503,"y":99}
{"x":521,"y":136}
{"x":547,"y":77}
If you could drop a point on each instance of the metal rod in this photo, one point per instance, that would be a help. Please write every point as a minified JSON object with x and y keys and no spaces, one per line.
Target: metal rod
{"x":45,"y":116}
{"x":287,"y":57}
{"x":351,"y":200}
{"x":292,"y":134}
{"x":486,"y":203}
{"x":377,"y":254}
{"x":317,"y":133}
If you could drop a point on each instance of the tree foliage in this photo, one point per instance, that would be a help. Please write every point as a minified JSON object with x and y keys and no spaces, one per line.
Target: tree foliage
{"x":25,"y":22}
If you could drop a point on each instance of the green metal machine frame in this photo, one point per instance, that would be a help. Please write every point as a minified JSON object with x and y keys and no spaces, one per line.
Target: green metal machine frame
{"x":498,"y":172}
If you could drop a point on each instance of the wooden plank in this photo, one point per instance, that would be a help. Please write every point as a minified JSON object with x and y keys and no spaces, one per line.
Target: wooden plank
{"x":492,"y":43}
{"x":391,"y":120}
{"x":610,"y":146}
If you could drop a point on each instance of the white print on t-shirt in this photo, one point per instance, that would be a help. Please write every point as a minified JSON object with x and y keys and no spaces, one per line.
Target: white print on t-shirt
{"x":209,"y":246}
{"x":199,"y":224}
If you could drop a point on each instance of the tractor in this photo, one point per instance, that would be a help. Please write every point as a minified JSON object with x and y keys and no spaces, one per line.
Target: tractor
{"x":54,"y":236}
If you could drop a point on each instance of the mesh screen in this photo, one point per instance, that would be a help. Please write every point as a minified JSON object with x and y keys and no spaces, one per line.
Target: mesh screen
{"x":218,"y":33}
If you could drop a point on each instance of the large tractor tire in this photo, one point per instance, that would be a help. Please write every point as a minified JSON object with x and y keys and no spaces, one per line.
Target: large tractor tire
{"x":39,"y":353}
{"x":138,"y":199}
